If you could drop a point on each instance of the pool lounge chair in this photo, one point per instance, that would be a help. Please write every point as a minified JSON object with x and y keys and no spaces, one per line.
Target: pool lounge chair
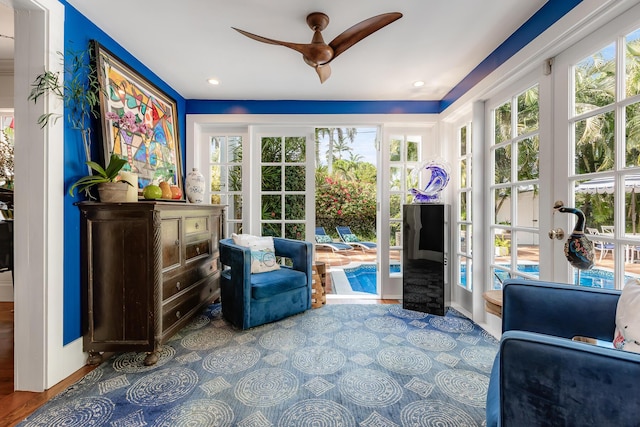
{"x":599,"y":245}
{"x":323,"y":240}
{"x":351,"y":239}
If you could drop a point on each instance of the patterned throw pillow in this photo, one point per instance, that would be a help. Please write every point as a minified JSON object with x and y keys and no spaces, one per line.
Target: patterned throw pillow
{"x":349,"y":238}
{"x":263,"y":254}
{"x":323,"y":238}
{"x":627,"y":333}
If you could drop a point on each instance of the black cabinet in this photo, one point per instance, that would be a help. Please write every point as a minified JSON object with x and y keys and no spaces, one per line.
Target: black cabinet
{"x":147,"y":269}
{"x":425,"y":253}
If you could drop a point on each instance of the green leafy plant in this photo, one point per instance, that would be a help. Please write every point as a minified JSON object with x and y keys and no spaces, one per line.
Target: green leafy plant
{"x":101,"y":175}
{"x":79,"y":90}
{"x":502,"y":242}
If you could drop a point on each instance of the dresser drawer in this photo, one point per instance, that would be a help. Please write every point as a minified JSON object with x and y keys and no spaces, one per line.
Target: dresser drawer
{"x":194,"y":225}
{"x":170,"y":242}
{"x":173,"y":284}
{"x":180,"y":282}
{"x":193,"y":299}
{"x":198,"y":249}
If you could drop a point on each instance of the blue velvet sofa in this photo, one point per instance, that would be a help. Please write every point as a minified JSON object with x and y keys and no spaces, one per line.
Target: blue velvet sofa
{"x":250,"y":300}
{"x":541,"y":377}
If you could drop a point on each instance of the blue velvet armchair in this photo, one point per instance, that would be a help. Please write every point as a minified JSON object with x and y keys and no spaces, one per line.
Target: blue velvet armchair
{"x":250,"y":300}
{"x":541,"y":377}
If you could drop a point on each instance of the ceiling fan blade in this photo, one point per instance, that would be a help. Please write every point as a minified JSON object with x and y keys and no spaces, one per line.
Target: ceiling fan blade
{"x":324,"y":72}
{"x":302,"y":48}
{"x":361,"y":30}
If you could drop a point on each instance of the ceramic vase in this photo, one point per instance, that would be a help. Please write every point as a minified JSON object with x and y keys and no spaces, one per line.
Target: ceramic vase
{"x":194,"y":186}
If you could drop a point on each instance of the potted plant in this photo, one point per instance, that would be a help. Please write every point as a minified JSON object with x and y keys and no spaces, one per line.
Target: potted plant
{"x":110,"y":187}
{"x":502,"y":245}
{"x":80,"y":91}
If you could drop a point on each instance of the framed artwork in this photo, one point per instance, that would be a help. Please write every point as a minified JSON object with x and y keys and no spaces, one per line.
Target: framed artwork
{"x":139,"y":122}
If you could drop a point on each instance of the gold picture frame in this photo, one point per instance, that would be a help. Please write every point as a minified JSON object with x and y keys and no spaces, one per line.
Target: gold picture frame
{"x":152,"y":146}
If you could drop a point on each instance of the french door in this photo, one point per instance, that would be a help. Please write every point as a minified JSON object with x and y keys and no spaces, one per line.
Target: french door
{"x":598,"y":119}
{"x":283,"y":183}
{"x":569,"y":136}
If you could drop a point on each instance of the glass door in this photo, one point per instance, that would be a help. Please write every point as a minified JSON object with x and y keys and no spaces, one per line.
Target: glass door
{"x":514,"y":187}
{"x":283,"y":183}
{"x":599,"y":105}
{"x":403,"y":151}
{"x":225,"y":177}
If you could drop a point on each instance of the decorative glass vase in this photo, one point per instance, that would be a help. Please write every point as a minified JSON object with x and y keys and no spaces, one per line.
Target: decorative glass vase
{"x":194,"y":186}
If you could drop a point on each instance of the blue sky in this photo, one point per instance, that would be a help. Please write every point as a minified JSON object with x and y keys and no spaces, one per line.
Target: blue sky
{"x":363,"y":144}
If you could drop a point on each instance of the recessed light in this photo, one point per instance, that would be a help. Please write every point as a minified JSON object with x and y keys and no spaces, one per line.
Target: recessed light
{"x":214,"y":82}
{"x":419,"y":83}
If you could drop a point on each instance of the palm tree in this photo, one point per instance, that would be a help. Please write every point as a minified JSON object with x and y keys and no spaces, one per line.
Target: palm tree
{"x":337,"y":142}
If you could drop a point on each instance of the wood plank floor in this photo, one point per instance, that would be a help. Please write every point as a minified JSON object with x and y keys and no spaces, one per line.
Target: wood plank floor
{"x":16,"y":406}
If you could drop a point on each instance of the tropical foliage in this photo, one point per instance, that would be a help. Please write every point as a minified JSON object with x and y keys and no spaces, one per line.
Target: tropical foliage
{"x":595,"y":135}
{"x":346,"y":202}
{"x":596,"y":78}
{"x":346,"y":186}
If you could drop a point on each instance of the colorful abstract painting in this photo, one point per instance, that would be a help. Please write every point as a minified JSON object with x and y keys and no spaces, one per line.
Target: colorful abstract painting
{"x":151,"y":145}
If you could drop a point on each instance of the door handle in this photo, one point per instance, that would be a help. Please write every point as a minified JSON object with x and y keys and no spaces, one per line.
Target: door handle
{"x":556,"y":233}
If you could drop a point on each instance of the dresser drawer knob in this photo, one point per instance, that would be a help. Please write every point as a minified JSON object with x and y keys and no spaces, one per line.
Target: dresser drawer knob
{"x":178,"y":285}
{"x":197,"y":225}
{"x":177,"y":243}
{"x":178,"y":314}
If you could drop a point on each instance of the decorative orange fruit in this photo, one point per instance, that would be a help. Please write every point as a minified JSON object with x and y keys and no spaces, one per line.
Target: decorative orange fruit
{"x":166,"y":190}
{"x":176,"y":191}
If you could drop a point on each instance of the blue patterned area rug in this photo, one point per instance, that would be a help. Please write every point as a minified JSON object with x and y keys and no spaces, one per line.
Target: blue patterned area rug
{"x":339,"y":365}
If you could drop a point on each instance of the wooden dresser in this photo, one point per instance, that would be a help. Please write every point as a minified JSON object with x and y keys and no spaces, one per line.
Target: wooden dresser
{"x":147,"y":269}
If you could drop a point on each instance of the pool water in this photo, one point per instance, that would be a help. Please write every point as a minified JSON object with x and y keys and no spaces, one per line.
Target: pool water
{"x":594,"y":278}
{"x":363,"y":277}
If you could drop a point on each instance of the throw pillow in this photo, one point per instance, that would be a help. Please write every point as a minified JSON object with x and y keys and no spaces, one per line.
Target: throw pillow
{"x":627,"y":334}
{"x":263,"y":254}
{"x":349,"y":238}
{"x":323,"y":238}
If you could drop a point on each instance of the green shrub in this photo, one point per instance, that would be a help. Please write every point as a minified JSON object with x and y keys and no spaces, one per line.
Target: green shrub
{"x":350,"y":203}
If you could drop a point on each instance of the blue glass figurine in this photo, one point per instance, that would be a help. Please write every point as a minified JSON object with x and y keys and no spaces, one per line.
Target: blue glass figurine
{"x":578,"y":249}
{"x":438,"y":180}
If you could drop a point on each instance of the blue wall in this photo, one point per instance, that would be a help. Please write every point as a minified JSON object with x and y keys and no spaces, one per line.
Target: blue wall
{"x":78,"y":33}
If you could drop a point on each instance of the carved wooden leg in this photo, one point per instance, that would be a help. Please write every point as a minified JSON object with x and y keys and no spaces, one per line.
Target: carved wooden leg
{"x":151,"y":359}
{"x":95,"y":358}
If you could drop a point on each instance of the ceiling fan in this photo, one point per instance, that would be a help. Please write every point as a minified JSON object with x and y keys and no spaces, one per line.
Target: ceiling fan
{"x":318,"y":54}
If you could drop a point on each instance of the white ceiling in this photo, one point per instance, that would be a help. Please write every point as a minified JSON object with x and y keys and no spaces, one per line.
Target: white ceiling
{"x":187,"y":42}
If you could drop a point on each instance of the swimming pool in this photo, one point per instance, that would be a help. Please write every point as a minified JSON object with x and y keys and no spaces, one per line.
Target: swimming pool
{"x":363,"y":277}
{"x":594,"y":278}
